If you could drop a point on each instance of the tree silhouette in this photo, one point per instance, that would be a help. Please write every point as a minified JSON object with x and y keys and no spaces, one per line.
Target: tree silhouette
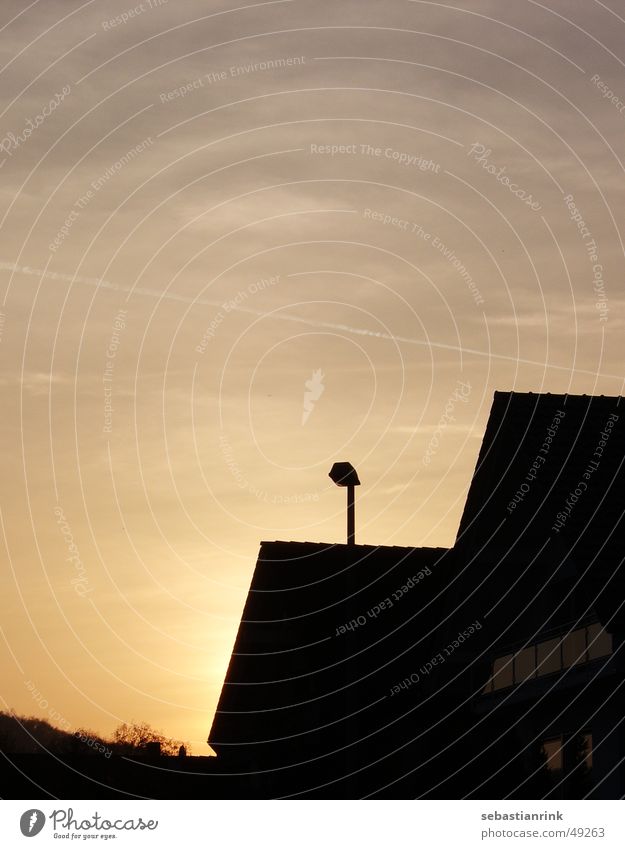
{"x":33,"y":735}
{"x":129,"y":737}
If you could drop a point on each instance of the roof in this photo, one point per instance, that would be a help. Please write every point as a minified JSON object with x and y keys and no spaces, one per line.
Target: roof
{"x":326,"y":630}
{"x":537,"y":452}
{"x":547,"y":499}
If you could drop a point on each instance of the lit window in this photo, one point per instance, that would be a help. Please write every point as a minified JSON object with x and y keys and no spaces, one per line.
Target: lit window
{"x":548,"y":657}
{"x":502,"y":672}
{"x":599,"y":642}
{"x":574,"y":647}
{"x":525,"y":664}
{"x":553,"y":752}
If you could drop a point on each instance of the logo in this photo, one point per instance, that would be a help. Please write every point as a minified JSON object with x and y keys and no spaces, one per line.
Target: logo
{"x":31,"y":822}
{"x":314,"y":390}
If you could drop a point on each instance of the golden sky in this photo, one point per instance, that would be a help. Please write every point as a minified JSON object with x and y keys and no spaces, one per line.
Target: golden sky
{"x":239,"y":243}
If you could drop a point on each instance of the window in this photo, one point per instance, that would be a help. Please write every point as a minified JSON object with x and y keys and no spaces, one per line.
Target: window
{"x":548,"y":657}
{"x":582,"y":750}
{"x":525,"y":664}
{"x":502,"y":672}
{"x":574,"y":647}
{"x":553,"y":752}
{"x":599,"y":642}
{"x":587,"y":749}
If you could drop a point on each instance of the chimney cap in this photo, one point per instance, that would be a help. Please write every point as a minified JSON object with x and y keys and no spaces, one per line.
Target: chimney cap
{"x":344,"y":474}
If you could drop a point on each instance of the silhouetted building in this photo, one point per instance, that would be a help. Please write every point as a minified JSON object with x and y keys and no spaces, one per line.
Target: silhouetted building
{"x":487,"y":670}
{"x":544,"y":522}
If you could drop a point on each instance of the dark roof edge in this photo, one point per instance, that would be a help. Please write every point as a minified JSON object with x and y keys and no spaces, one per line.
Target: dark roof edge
{"x":325,"y":545}
{"x":570,"y":395}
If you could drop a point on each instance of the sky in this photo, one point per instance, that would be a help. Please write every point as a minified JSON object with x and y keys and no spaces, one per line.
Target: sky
{"x":239,"y":243}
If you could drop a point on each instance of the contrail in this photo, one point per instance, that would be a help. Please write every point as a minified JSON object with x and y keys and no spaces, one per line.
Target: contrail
{"x":100,"y":283}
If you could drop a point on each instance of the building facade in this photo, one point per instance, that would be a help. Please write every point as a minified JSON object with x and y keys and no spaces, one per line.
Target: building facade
{"x":488,"y":670}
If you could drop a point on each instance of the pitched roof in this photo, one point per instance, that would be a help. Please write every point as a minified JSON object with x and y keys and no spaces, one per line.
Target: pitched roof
{"x":549,"y":466}
{"x":326,"y":627}
{"x":547,"y":499}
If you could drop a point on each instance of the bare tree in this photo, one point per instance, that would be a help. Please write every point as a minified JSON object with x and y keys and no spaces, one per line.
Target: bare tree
{"x":136,"y":735}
